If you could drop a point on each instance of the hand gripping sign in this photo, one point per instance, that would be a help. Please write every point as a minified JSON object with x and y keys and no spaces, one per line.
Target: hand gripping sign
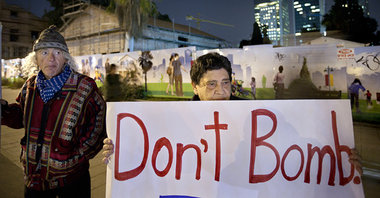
{"x":289,"y":148}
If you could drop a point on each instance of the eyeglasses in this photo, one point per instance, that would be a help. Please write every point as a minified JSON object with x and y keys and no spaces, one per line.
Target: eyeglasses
{"x":213,"y":83}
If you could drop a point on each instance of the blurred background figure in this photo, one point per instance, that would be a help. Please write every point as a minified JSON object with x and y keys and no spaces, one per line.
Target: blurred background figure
{"x":354,"y":93}
{"x":170,"y":72}
{"x":113,"y":89}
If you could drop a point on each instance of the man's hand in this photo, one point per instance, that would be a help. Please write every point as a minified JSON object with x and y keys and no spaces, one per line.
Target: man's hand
{"x":4,"y":106}
{"x":355,"y":159}
{"x":108,"y":150}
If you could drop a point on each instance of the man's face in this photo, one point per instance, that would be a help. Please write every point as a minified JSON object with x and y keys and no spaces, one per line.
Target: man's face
{"x":50,"y":61}
{"x":214,"y":85}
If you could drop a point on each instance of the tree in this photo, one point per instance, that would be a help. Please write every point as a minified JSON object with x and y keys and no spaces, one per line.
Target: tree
{"x":348,"y":17}
{"x":266,"y":39}
{"x":257,"y":36}
{"x":132,"y":15}
{"x":146,"y":65}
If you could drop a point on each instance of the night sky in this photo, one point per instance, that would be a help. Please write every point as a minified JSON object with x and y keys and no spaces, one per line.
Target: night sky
{"x":238,"y":13}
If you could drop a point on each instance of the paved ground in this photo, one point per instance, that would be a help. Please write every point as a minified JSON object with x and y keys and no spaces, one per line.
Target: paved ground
{"x":367,"y":140}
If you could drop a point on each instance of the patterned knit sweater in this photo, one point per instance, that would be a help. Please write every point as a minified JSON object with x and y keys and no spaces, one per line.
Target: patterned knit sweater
{"x":74,"y":123}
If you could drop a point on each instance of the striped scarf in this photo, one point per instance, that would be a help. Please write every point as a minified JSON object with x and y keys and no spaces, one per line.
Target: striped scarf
{"x":48,"y":88}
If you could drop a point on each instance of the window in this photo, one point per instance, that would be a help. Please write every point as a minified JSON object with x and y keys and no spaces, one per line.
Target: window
{"x":14,"y":13}
{"x":13,"y":37}
{"x":34,"y":35}
{"x":180,"y":38}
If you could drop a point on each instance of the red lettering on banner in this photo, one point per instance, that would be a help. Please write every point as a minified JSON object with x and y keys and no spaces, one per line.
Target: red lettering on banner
{"x":339,"y":149}
{"x":321,"y":154}
{"x":259,"y":141}
{"x":293,"y":147}
{"x":204,"y":142}
{"x":335,"y":157}
{"x":217,"y":128}
{"x":159,"y":144}
{"x":134,"y":172}
{"x":180,"y":150}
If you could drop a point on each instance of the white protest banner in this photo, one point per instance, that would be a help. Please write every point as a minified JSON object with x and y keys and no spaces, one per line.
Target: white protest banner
{"x":210,"y":149}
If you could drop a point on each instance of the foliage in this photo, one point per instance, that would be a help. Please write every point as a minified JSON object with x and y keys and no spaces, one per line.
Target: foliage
{"x":132,"y":92}
{"x":5,"y":82}
{"x":266,"y":39}
{"x":257,"y":36}
{"x":145,"y":61}
{"x":348,"y":17}
{"x":146,"y":65}
{"x":133,"y":14}
{"x":128,"y":89}
{"x":13,"y":83}
{"x":131,"y":87}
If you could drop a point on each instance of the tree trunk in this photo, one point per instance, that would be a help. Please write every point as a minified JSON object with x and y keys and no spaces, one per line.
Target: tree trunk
{"x":146,"y":85}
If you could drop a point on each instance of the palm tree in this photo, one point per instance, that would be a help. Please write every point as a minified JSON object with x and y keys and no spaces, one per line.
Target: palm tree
{"x":132,"y":15}
{"x":146,"y":64}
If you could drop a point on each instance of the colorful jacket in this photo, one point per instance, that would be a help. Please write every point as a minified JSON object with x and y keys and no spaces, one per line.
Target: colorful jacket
{"x":74,"y":131}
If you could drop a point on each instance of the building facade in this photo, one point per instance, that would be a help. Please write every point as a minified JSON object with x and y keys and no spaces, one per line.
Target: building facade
{"x":364,"y":5}
{"x":96,"y":31}
{"x":20,"y":29}
{"x":276,"y":15}
{"x":308,"y":15}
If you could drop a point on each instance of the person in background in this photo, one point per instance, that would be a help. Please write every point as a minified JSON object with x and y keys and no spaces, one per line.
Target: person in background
{"x":211,"y":76}
{"x":178,"y":75}
{"x":170,"y":72}
{"x":113,"y":85}
{"x":278,"y":83}
{"x":368,"y":95}
{"x":253,"y":87}
{"x":107,"y":65}
{"x":354,"y":93}
{"x":63,"y":114}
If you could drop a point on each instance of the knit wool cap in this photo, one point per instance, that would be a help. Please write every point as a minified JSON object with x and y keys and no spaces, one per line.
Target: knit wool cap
{"x":50,"y":38}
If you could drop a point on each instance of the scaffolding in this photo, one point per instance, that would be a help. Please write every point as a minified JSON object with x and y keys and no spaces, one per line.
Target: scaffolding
{"x":73,"y":9}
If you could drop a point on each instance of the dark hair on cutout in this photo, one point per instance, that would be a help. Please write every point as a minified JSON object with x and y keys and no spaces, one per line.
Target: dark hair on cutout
{"x":356,"y":80}
{"x":207,"y":62}
{"x":281,"y":68}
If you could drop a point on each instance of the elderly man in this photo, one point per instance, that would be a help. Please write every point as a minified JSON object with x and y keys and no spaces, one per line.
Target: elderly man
{"x":63,"y":114}
{"x":211,"y":80}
